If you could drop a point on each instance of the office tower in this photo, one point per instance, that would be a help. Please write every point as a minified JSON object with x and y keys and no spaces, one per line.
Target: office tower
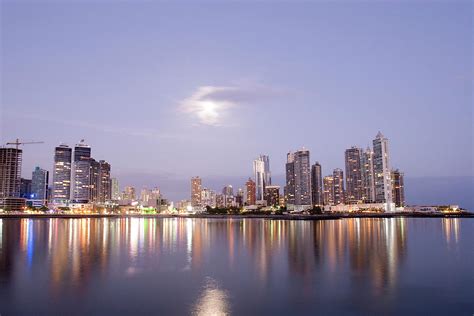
{"x":82,"y":173}
{"x":196,"y":191}
{"x":39,"y":184}
{"x":25,"y":188}
{"x":367,"y":164}
{"x":104,"y":185}
{"x":398,"y":188}
{"x":115,"y":189}
{"x":302,"y":180}
{"x":338,"y":184}
{"x":251,"y":192}
{"x":228,"y":190}
{"x":94,"y":175}
{"x":239,"y":198}
{"x":272,"y":195}
{"x":262,"y":175}
{"x":62,"y":174}
{"x":145,"y":196}
{"x":328,"y":195}
{"x":383,"y":179}
{"x":10,"y":172}
{"x":208,"y":198}
{"x":317,"y":184}
{"x":267,"y":176}
{"x":354,"y":185}
{"x":289,"y":189}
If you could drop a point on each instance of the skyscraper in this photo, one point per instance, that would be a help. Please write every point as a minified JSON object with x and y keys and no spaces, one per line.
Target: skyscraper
{"x":105,"y":183}
{"x":289,"y":190}
{"x":328,"y":195}
{"x":10,"y":179}
{"x":228,"y":190}
{"x":196,"y":184}
{"x":82,"y":173}
{"x":302,"y":180}
{"x":208,"y":198}
{"x":62,"y":174}
{"x":367,"y":164}
{"x":129,"y":194}
{"x":262,"y":176}
{"x":398,"y":188}
{"x":251,"y":192}
{"x":39,"y":184}
{"x":272,"y":195}
{"x":383,"y":178}
{"x":115,"y":189}
{"x":10,"y":172}
{"x":338,"y":184}
{"x":354,"y":185}
{"x":317,"y":184}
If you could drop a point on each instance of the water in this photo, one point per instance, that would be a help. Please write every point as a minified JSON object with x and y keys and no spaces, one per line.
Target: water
{"x":236,"y":266}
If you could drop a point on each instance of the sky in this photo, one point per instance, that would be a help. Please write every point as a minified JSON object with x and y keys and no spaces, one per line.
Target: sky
{"x":168,"y":90}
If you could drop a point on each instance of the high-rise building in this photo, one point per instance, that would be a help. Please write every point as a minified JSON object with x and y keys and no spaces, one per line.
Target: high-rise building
{"x":354,"y":185}
{"x":338,"y":184}
{"x":267,"y":177}
{"x":272,"y":195}
{"x":39,"y":184}
{"x":10,"y":172}
{"x":302,"y":180}
{"x":82,"y":173}
{"x":367,"y":164}
{"x":317,"y":184}
{"x":94,"y":175}
{"x":115,"y":189}
{"x":228,"y":190}
{"x":382,"y":174}
{"x":105,"y":183}
{"x":328,"y":195}
{"x":196,"y":184}
{"x":25,"y":188}
{"x":129,"y":194}
{"x":208,"y":198}
{"x":10,"y":179}
{"x":239,"y":198}
{"x":251,"y":192}
{"x":289,"y":189}
{"x":62,"y":174}
{"x":398,"y":188}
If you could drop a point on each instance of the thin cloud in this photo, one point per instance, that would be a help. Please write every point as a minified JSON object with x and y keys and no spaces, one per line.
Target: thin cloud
{"x":211,"y":105}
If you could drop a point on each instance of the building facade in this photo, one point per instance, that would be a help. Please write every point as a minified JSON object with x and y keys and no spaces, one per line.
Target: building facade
{"x":338,"y":186}
{"x":62,"y":174}
{"x":398,"y":188}
{"x":354,"y":185}
{"x":39,"y":184}
{"x":367,"y":164}
{"x":302,"y":180}
{"x":10,"y":172}
{"x":272,"y":195}
{"x":328,"y":194}
{"x":289,"y":190}
{"x":251,"y":192}
{"x":317,"y":184}
{"x":196,"y":184}
{"x":82,"y":173}
{"x":382,"y":174}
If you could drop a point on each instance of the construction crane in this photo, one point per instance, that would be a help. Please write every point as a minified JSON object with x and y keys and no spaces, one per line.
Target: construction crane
{"x":18,"y":143}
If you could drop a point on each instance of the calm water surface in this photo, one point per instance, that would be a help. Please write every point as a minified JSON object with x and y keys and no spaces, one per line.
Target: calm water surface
{"x":236,"y":266}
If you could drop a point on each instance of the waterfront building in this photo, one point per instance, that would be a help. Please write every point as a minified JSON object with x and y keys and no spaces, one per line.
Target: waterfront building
{"x":383,"y":178}
{"x":196,"y":184}
{"x":317,"y":184}
{"x":302,"y":178}
{"x":115,"y":189}
{"x":82,"y":173}
{"x":129,"y":194}
{"x":338,"y":186}
{"x":105,"y":183}
{"x":10,"y":179}
{"x":251,"y":192}
{"x":398,"y":188}
{"x":61,"y":192}
{"x":289,"y":189}
{"x":272,"y":195}
{"x":228,"y":190}
{"x":328,"y":195}
{"x":39,"y":185}
{"x":367,"y":165}
{"x":208,"y":198}
{"x":354,"y":185}
{"x":25,"y":188}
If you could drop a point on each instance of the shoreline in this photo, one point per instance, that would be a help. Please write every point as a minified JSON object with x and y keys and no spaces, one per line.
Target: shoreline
{"x":244,"y":216}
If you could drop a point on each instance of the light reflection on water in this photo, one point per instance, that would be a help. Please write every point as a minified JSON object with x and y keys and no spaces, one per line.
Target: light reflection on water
{"x":247,"y":266}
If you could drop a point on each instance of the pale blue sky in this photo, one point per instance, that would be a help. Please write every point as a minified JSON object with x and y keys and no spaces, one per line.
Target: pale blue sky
{"x":129,"y":78}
